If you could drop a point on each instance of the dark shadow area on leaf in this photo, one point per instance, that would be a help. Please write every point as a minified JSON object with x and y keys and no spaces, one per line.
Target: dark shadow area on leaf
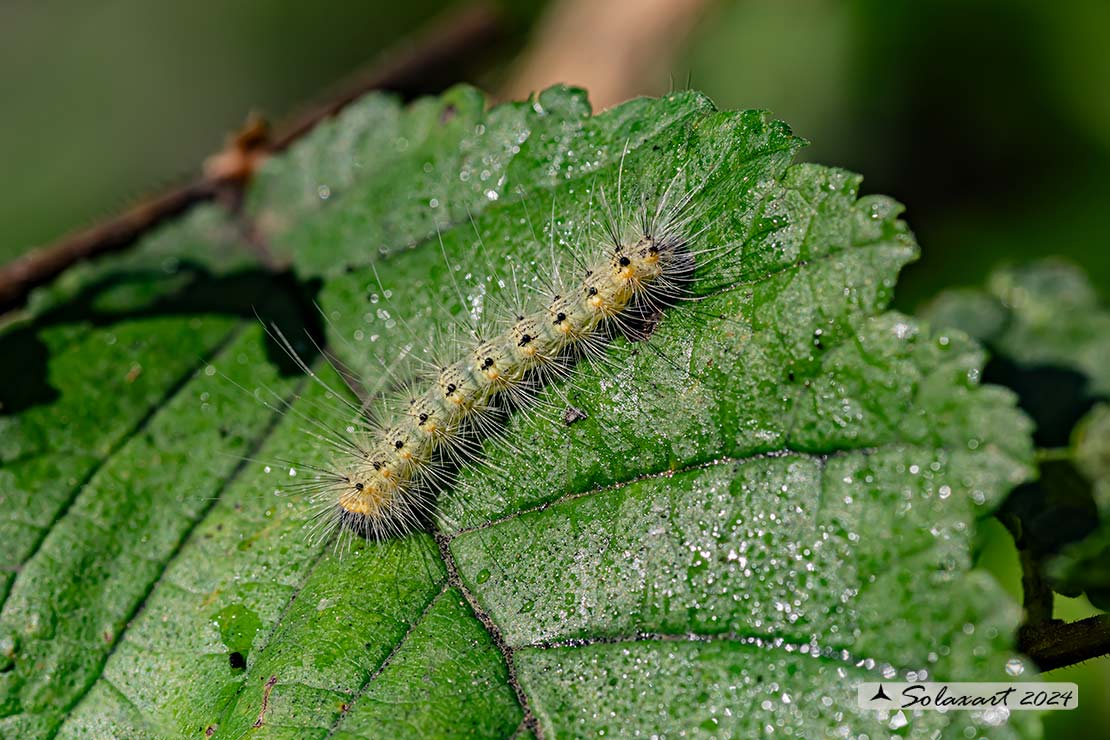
{"x":191,"y":290}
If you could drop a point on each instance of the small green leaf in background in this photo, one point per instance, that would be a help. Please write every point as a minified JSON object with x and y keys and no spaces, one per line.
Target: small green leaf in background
{"x":1049,"y":336}
{"x":1084,"y":567}
{"x":778,"y":504}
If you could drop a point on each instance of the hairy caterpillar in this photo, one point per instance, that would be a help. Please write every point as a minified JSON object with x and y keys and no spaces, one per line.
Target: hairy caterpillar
{"x":388,"y":467}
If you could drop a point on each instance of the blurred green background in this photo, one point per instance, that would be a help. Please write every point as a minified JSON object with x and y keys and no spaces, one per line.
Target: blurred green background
{"x":989,"y":118}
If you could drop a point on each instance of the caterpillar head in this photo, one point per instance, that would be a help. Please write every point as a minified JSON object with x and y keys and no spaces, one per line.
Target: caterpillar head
{"x":370,"y":490}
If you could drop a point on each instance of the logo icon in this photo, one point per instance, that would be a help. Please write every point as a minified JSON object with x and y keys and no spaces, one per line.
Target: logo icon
{"x":880,"y":694}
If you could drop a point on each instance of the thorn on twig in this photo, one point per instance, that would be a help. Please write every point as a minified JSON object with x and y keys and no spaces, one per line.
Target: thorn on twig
{"x":245,"y":150}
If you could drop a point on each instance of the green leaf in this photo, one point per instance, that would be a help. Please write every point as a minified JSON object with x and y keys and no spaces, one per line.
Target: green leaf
{"x":1084,"y":566}
{"x":1045,"y":313}
{"x":1049,"y":335}
{"x":772,"y":499}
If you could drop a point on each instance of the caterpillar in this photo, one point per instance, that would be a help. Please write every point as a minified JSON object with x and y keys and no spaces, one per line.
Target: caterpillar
{"x":384,"y":477}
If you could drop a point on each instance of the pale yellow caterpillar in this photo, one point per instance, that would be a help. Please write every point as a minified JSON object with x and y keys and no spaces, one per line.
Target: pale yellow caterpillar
{"x":385,"y":476}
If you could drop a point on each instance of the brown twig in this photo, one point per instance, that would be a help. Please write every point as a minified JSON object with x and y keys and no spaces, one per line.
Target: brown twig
{"x":1055,"y":644}
{"x":430,"y":61}
{"x":18,"y":277}
{"x":1037,"y":596}
{"x":1052,"y":643}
